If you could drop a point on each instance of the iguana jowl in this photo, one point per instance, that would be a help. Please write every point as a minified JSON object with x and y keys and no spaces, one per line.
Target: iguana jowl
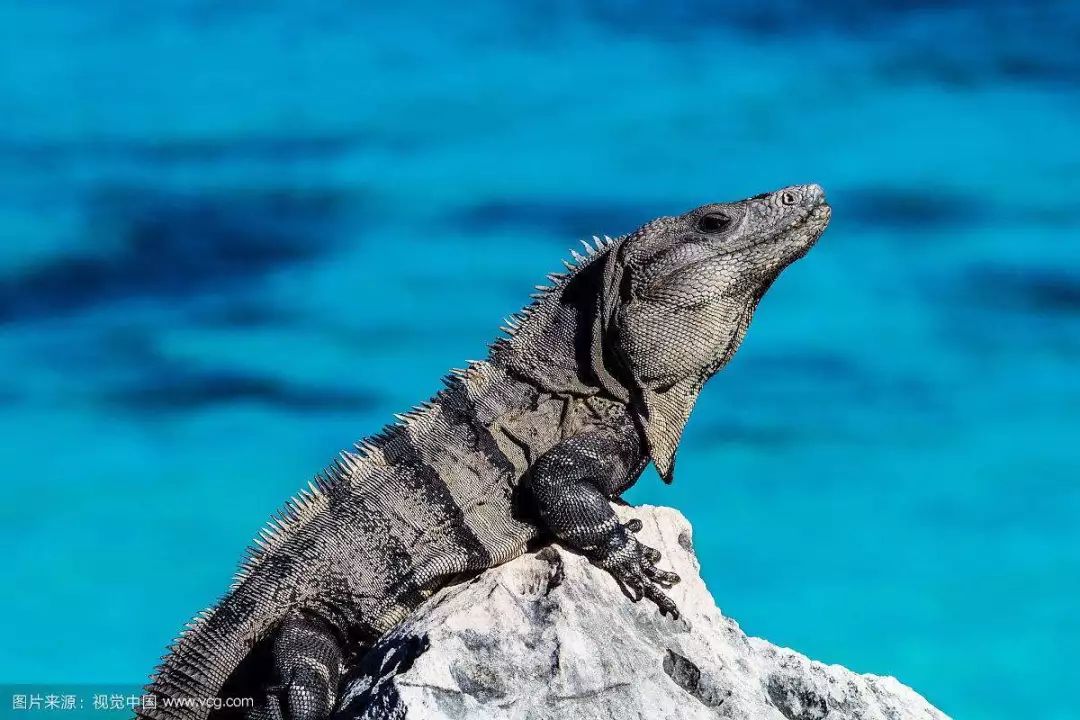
{"x":592,"y":381}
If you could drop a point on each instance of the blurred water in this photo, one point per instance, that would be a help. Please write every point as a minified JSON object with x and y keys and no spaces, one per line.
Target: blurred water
{"x":235,"y":237}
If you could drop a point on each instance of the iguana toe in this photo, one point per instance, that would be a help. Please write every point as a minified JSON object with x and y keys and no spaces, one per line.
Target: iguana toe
{"x":633,"y":565}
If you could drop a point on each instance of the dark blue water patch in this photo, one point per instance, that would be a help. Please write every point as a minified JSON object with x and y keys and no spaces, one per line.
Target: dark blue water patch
{"x":965,"y":44}
{"x":196,"y":150}
{"x":909,"y":208}
{"x":176,"y":246}
{"x":135,"y":375}
{"x":242,"y":313}
{"x":953,"y":67}
{"x":960,"y":44}
{"x":564,"y":218}
{"x":799,"y":17}
{"x":1041,"y":290}
{"x":1015,"y":312}
{"x":186,"y":389}
{"x":696,"y":17}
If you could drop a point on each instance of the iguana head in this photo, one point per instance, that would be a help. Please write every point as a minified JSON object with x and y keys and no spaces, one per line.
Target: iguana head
{"x":648,"y":318}
{"x":680,"y":292}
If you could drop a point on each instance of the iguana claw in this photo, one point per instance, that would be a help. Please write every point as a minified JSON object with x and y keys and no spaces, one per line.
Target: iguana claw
{"x":633,"y":565}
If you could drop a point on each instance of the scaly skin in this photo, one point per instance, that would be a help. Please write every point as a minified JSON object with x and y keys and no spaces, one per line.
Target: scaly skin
{"x":595,"y":379}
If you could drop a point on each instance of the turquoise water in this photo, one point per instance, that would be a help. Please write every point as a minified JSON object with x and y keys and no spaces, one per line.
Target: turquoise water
{"x":235,"y":238}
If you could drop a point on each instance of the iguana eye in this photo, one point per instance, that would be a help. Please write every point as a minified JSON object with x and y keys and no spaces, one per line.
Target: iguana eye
{"x":788,"y":198}
{"x":713,"y":222}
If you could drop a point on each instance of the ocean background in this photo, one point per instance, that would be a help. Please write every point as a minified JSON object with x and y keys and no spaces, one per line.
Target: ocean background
{"x":236,"y":237}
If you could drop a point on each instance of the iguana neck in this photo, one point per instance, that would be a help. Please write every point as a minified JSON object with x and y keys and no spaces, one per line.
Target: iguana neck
{"x":561,"y":344}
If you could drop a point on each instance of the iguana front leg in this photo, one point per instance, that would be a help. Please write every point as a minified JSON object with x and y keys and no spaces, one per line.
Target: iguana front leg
{"x":572,"y":484}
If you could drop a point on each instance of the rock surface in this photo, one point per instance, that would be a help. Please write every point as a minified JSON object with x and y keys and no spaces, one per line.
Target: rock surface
{"x":551,"y":636}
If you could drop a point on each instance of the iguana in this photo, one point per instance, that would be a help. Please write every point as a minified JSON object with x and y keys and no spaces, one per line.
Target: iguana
{"x":590,"y":382}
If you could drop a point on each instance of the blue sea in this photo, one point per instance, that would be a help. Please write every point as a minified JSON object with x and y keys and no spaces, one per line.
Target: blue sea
{"x":236,"y":237}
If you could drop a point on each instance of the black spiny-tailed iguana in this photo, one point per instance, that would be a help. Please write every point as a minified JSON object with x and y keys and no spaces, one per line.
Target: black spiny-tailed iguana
{"x":592,"y":381}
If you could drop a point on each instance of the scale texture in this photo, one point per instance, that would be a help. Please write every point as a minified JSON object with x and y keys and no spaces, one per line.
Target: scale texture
{"x":591,"y":382}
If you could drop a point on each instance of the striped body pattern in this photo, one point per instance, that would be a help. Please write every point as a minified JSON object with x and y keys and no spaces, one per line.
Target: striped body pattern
{"x":528,"y":445}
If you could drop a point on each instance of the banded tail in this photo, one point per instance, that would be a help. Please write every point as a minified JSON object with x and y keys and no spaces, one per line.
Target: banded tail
{"x":197,"y":664}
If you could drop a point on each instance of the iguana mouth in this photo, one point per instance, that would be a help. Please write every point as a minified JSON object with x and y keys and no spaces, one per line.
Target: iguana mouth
{"x":816,"y":218}
{"x":821,"y":213}
{"x":817,"y":215}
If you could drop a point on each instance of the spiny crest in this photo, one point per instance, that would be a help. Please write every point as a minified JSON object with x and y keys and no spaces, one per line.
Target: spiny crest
{"x":296,"y":511}
{"x":369,"y":451}
{"x":557,"y":280}
{"x":191,"y":626}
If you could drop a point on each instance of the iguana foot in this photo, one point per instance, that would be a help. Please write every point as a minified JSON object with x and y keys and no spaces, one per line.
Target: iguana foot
{"x":633,"y":565}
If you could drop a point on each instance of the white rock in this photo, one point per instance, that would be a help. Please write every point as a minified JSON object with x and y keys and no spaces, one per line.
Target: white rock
{"x":550,"y":636}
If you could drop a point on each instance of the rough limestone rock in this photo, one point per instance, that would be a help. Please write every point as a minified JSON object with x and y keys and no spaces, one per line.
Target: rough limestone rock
{"x":550,"y":636}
